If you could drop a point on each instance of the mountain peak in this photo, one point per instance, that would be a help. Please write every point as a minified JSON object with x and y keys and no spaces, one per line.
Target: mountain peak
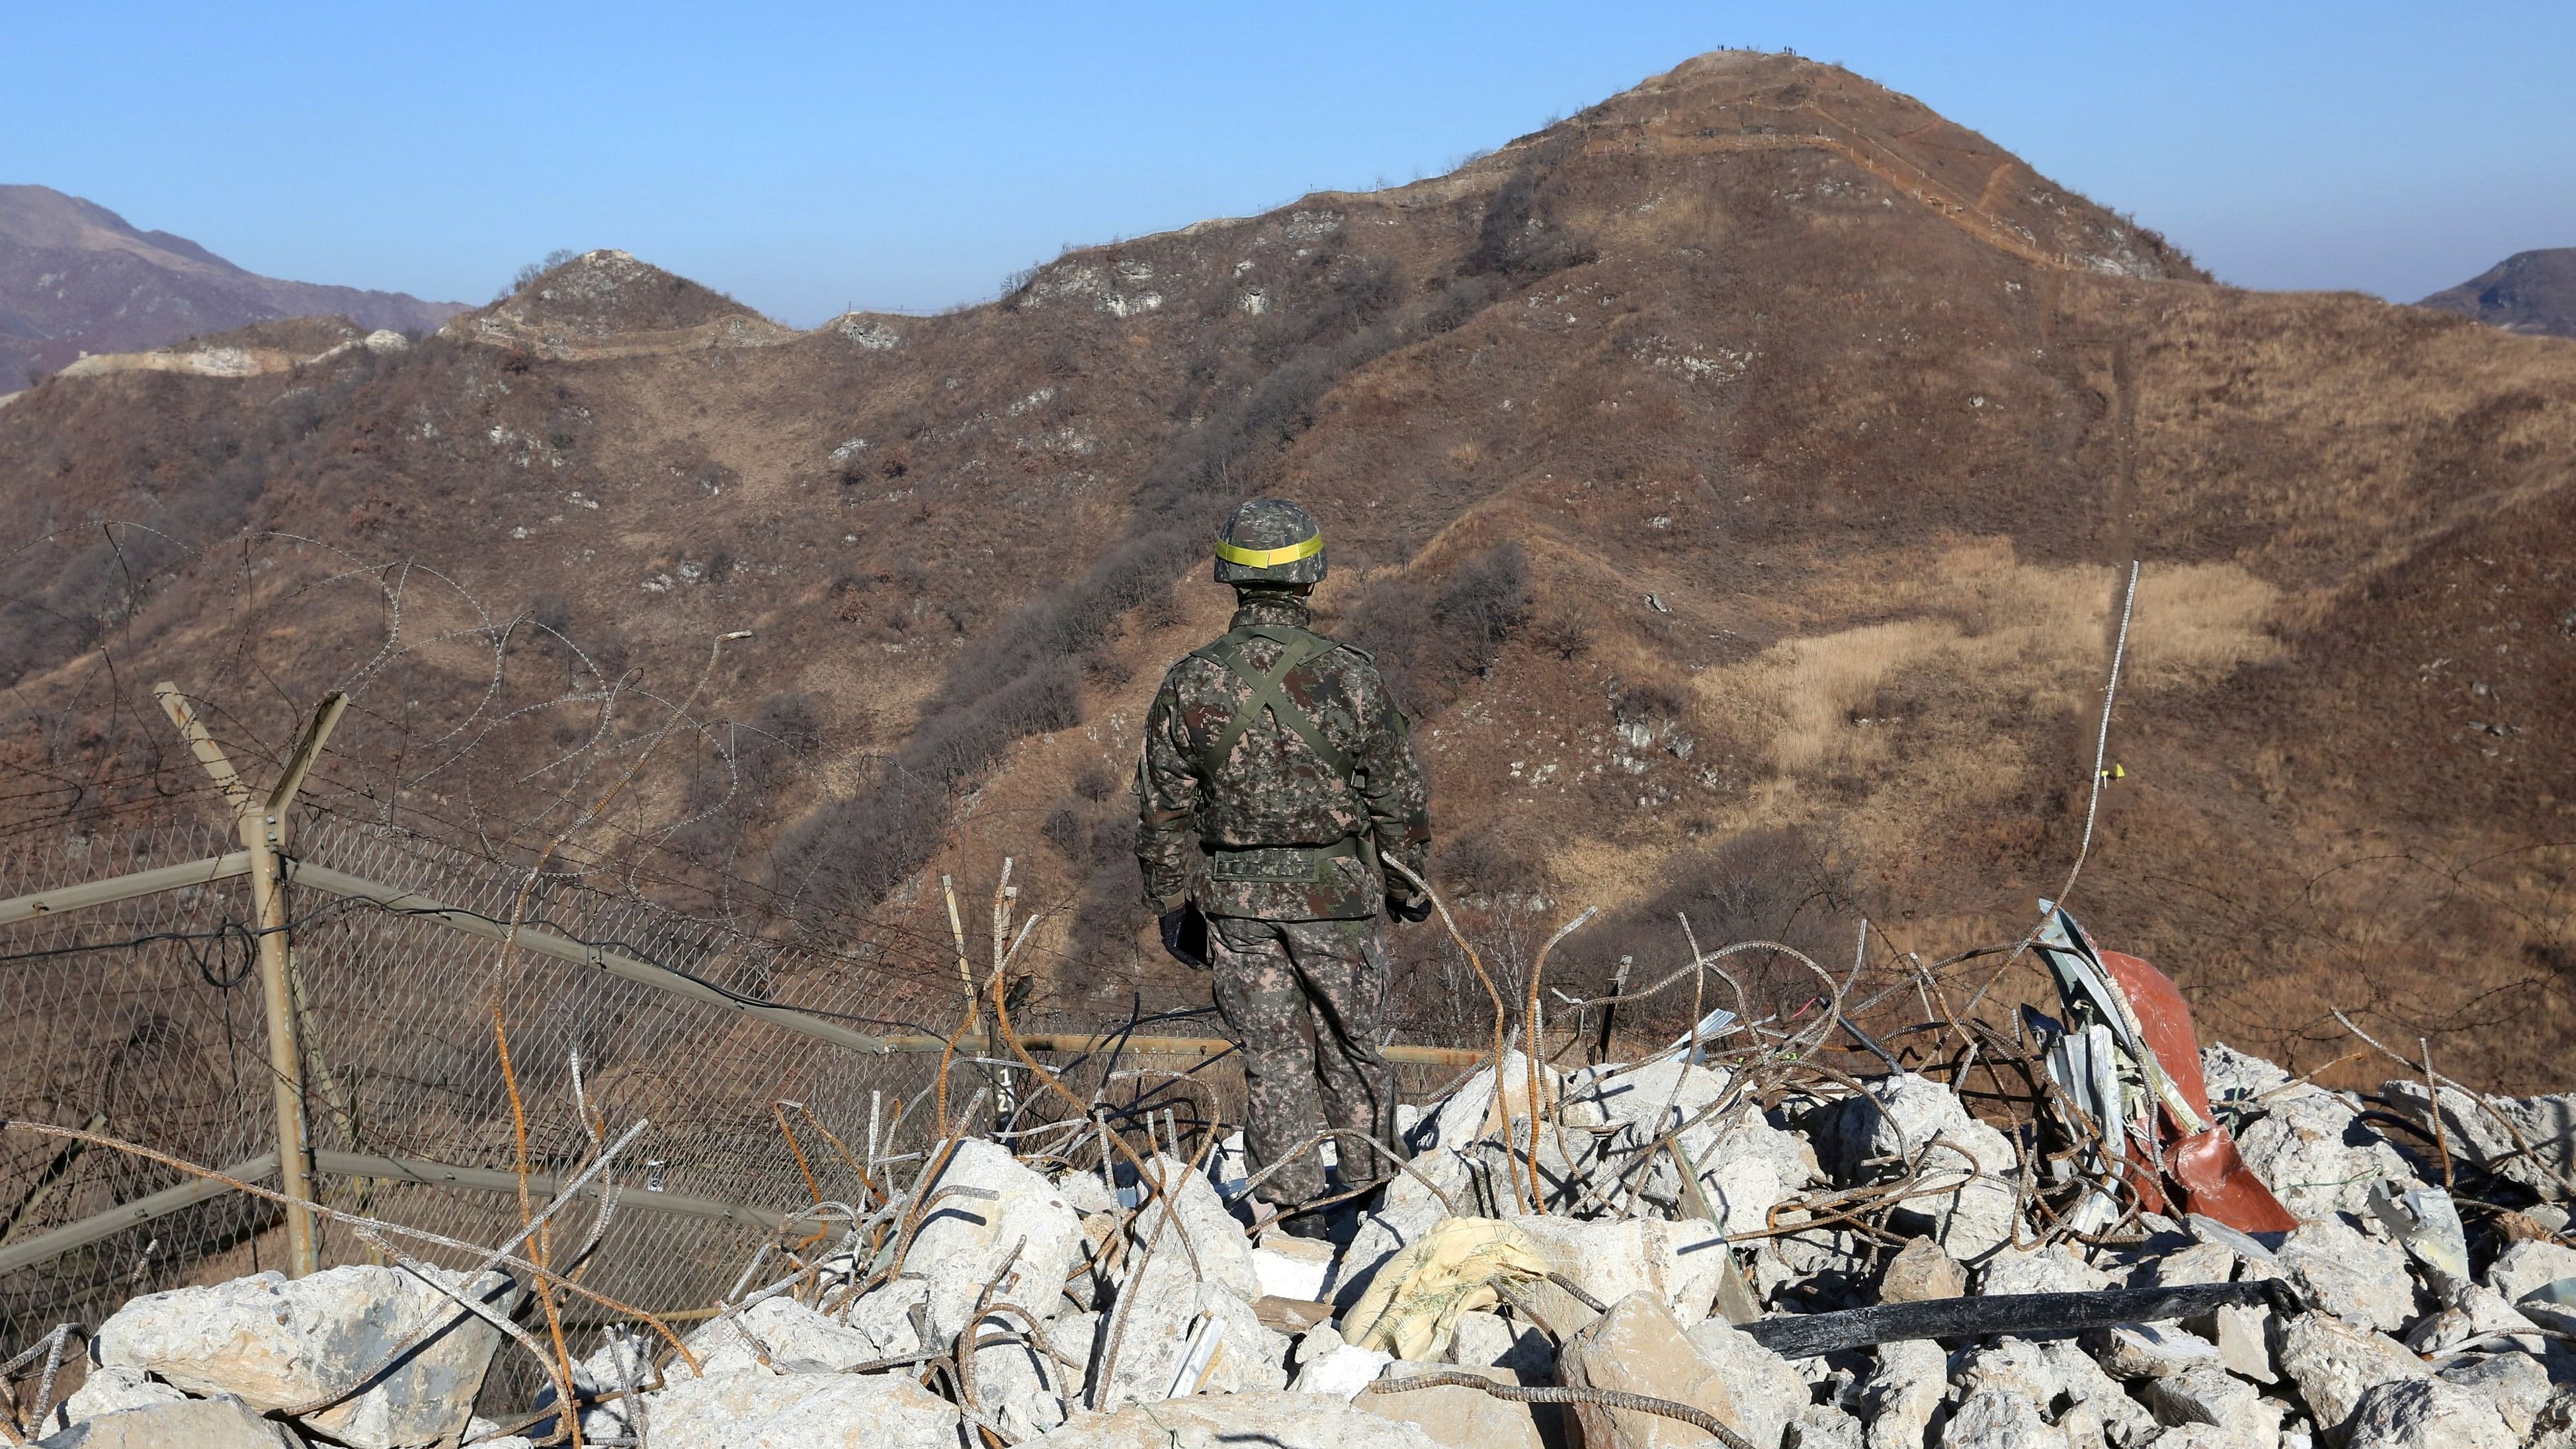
{"x":2532,"y":292}
{"x":76,"y":279}
{"x":604,"y":295}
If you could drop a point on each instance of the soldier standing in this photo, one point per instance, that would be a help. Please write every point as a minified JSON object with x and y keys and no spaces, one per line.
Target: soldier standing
{"x":1276,"y":776}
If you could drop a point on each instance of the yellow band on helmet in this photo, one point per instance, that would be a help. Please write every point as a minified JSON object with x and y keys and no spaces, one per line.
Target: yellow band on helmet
{"x":1262,"y":558}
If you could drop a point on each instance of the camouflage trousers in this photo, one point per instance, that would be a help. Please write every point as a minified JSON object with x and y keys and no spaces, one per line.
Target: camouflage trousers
{"x":1306,"y":1002}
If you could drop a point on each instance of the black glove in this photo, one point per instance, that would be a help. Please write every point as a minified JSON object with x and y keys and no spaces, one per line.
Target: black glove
{"x":1416,"y":910}
{"x":1185,"y":935}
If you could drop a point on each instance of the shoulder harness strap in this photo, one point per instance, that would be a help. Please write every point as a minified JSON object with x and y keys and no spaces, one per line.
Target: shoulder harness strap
{"x":1298,"y":647}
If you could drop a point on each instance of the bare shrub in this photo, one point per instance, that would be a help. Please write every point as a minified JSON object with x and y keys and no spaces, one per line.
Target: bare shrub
{"x":1431,"y":637}
{"x":1563,"y":628}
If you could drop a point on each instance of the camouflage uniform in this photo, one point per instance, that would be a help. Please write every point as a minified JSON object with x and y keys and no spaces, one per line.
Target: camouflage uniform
{"x":1278,"y":842}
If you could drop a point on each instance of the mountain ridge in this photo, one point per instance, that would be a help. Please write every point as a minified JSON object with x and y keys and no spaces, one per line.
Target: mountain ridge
{"x":78,"y":278}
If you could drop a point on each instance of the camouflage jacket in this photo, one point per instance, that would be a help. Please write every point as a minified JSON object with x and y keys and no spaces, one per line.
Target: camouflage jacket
{"x":1228,"y":832}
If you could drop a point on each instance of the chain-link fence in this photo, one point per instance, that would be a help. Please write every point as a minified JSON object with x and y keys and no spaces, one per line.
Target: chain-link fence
{"x":141,"y":1018}
{"x":767,"y":1070}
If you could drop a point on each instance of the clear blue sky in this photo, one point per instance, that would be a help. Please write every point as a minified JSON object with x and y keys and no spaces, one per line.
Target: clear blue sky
{"x":804,"y":156}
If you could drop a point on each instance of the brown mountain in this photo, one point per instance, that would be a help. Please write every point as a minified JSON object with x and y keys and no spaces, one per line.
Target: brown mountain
{"x":1738,"y":481}
{"x":2531,"y":292}
{"x":75,"y":277}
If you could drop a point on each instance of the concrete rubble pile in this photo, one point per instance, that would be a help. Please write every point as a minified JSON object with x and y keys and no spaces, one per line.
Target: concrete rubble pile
{"x":1613,"y":1271}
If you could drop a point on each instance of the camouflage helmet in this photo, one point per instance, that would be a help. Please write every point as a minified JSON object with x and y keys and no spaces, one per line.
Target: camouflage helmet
{"x":1270,"y":541}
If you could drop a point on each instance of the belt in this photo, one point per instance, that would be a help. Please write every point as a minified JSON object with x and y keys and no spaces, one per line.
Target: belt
{"x":1299,"y":863}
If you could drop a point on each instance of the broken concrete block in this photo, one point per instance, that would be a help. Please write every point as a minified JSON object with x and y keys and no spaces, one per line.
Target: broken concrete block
{"x":1472,"y":1112}
{"x":1680,"y":1263}
{"x":2476,"y":1136}
{"x":1152,"y":1323}
{"x":2309,"y":1145}
{"x":1637,"y":1347}
{"x":1338,"y":1369}
{"x":110,"y":1390}
{"x":1823,"y":1426}
{"x":2210,"y":1436}
{"x":2053,"y":1269}
{"x":2244,"y":1333}
{"x":1744,"y":1164}
{"x":1291,"y":1316}
{"x":794,"y":1338}
{"x":1460,"y":1417}
{"x":1998,"y":1419}
{"x":1084,"y":1192}
{"x":1224,"y":1254}
{"x":2333,"y":1364}
{"x":2209,"y":1394}
{"x":2016,"y":1366}
{"x":482,"y":1433}
{"x":1904,"y":1114}
{"x":1268,"y":1420}
{"x":2530,"y":1265}
{"x":2428,"y":1413}
{"x":623,"y":1357}
{"x":1768,"y":1392}
{"x":2199,"y":1263}
{"x":2475,"y":1313}
{"x":963,"y":1240}
{"x":2349,"y":1275}
{"x":1903,"y":1392}
{"x":1023,"y":1391}
{"x":1489,"y":1340}
{"x":886,"y":1316}
{"x":830,"y":1411}
{"x":2149,"y":1350}
{"x":275,"y":1342}
{"x":1921,"y":1272}
{"x":2515,"y":1383}
{"x":218,"y":1423}
{"x":1294,"y":1268}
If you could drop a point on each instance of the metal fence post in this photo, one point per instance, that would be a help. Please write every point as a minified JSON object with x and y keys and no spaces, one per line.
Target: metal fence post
{"x":262,"y":825}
